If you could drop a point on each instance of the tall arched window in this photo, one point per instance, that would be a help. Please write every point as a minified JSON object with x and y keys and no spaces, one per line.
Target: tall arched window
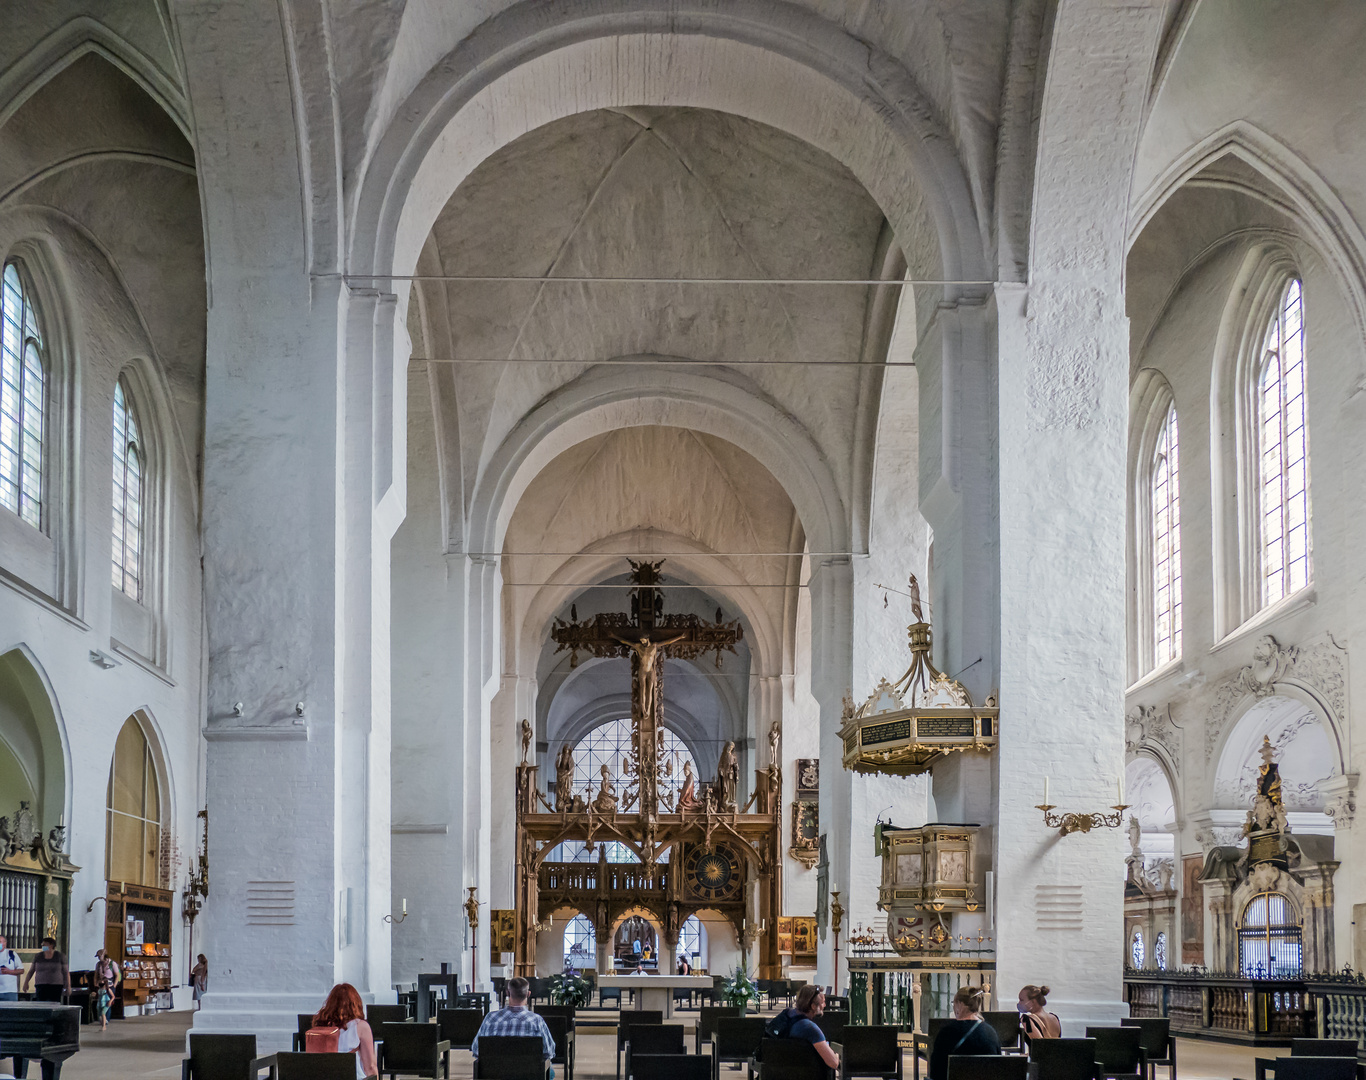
{"x":1282,"y":451}
{"x":1166,"y":518}
{"x":580,"y":944}
{"x":129,"y":486}
{"x":133,"y":806}
{"x":22,"y":400}
{"x":1270,"y":938}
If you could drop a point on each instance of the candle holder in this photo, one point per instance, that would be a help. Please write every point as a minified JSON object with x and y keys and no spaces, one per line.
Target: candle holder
{"x":1066,"y":824}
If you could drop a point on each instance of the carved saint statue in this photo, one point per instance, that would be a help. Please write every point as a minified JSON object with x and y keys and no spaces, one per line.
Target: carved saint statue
{"x":915,"y":600}
{"x":688,"y":802}
{"x":1268,"y":812}
{"x":727,"y":778}
{"x":775,"y":736}
{"x":526,"y":741}
{"x":564,"y":778}
{"x":606,"y":800}
{"x":1135,"y":838}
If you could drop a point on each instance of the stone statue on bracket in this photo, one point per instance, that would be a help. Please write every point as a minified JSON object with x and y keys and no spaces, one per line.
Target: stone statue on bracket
{"x":727,"y":778}
{"x":526,"y":741}
{"x":564,"y":778}
{"x":688,"y":802}
{"x":606,"y":800}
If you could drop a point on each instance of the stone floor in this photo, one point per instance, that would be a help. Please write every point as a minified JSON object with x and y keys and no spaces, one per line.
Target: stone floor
{"x":152,"y":1046}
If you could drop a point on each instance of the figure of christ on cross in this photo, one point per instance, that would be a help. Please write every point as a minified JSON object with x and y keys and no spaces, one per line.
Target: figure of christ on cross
{"x":647,"y":638}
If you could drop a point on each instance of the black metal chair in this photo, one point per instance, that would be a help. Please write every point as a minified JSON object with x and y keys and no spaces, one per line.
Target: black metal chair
{"x":1310,"y":1068}
{"x":682,"y":997}
{"x":870,"y":1051}
{"x":634,"y":1018}
{"x":569,"y":1012}
{"x":836,"y":1003}
{"x":459,"y":1026}
{"x":977,"y":1067}
{"x":292,"y":1066}
{"x":1007,"y":1028}
{"x":673,"y":1066}
{"x":1119,"y":1052}
{"x":1064,"y":1059}
{"x":385,"y":1014}
{"x":510,"y":1057}
{"x":653,"y":1040}
{"x":539,"y":989}
{"x":562,"y":1031}
{"x":305,"y":1022}
{"x":477,"y":999}
{"x":1319,"y":1048}
{"x":832,"y":1024}
{"x":706,"y":1023}
{"x":224,"y":1057}
{"x":609,"y":993}
{"x":414,"y":1050}
{"x":1158,"y":1045}
{"x":924,"y":1042}
{"x":737,"y":1039}
{"x":791,"y":1059}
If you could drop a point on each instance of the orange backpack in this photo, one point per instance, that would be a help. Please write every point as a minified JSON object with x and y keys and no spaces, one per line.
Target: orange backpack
{"x":321,"y":1040}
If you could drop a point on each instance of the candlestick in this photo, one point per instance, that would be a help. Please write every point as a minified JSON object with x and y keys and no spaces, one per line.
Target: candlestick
{"x":1045,"y":792}
{"x":405,"y":905}
{"x":1120,"y":800}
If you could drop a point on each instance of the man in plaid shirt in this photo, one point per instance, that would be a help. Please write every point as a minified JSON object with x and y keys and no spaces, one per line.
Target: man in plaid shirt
{"x":517,"y":1019}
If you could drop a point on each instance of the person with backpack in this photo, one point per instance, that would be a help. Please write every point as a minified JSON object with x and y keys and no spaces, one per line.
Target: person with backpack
{"x":340,"y":1028}
{"x":799,"y":1022}
{"x":966,"y":1035}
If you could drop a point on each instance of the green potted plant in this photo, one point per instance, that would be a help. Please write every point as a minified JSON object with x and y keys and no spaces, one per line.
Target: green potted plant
{"x":570,"y":988}
{"x":738,"y":988}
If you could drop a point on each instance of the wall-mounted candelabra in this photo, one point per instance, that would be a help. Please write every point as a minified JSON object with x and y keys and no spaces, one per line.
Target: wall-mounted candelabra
{"x":403,"y":913}
{"x":1066,"y":824}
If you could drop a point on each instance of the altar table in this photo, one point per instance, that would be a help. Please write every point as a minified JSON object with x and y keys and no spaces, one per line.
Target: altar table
{"x":656,"y":991}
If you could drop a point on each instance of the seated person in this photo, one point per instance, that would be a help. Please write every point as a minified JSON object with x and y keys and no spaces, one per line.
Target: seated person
{"x":516,"y":1019}
{"x":800,"y":1023}
{"x":344,"y":1010}
{"x":1034,"y":1021}
{"x":967,"y":1034}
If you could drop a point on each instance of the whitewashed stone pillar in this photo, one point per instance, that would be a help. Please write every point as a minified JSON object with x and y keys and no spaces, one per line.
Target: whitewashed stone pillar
{"x":831,"y":589}
{"x":1063,"y":390}
{"x":300,"y":502}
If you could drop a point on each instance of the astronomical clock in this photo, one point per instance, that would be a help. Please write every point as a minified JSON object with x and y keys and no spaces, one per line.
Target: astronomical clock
{"x":714,"y":874}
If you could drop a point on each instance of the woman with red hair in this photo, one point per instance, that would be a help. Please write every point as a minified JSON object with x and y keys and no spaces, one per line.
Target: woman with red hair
{"x":345,"y":1011}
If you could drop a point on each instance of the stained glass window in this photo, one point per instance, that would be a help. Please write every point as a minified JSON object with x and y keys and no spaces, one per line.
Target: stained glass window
{"x":22,"y":401}
{"x":580,"y":944}
{"x":128,"y":497}
{"x":1160,"y":950}
{"x":1282,"y":450}
{"x":1166,"y":515}
{"x":1136,"y":949}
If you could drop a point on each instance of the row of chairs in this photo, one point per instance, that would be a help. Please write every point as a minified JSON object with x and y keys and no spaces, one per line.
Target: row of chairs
{"x":409,"y":1049}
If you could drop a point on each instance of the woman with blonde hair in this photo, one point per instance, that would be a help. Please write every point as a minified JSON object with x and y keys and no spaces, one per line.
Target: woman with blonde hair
{"x":345,"y":1011}
{"x":1034,"y":1021}
{"x":966,"y":1035}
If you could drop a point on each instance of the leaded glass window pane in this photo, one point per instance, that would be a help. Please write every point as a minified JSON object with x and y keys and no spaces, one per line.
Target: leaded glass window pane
{"x":580,"y":944}
{"x":128,"y":497}
{"x":22,"y":400}
{"x":1166,"y":518}
{"x":1283,"y":501}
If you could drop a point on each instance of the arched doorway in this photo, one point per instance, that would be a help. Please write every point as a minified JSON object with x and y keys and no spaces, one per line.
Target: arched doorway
{"x":1270,"y":938}
{"x":138,"y":856}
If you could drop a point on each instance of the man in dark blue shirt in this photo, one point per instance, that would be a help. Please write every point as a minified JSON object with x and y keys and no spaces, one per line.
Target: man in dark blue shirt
{"x":800,"y":1023}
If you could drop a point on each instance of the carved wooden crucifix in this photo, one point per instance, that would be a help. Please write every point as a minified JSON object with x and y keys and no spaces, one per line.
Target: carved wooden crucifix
{"x":647,"y":636}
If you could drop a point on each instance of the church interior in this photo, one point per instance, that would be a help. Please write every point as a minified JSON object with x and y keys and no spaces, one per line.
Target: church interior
{"x":866,"y":494}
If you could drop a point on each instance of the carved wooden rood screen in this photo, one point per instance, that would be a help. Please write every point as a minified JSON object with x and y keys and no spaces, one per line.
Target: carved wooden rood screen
{"x":720,"y":856}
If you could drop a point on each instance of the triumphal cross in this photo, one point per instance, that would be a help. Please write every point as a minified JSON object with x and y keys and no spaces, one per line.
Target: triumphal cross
{"x":647,"y":635}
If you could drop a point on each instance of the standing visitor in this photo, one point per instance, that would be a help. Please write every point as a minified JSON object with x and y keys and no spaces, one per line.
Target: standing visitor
{"x":199,"y":978}
{"x":11,"y":967}
{"x":49,"y":973}
{"x":345,"y":1012}
{"x":106,"y":982}
{"x":1034,"y":1021}
{"x":967,"y":1034}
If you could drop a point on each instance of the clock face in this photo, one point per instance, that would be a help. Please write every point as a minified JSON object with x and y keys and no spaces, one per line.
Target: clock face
{"x":714,"y":874}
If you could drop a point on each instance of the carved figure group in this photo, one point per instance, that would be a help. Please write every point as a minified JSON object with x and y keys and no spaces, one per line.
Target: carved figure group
{"x":606,"y":800}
